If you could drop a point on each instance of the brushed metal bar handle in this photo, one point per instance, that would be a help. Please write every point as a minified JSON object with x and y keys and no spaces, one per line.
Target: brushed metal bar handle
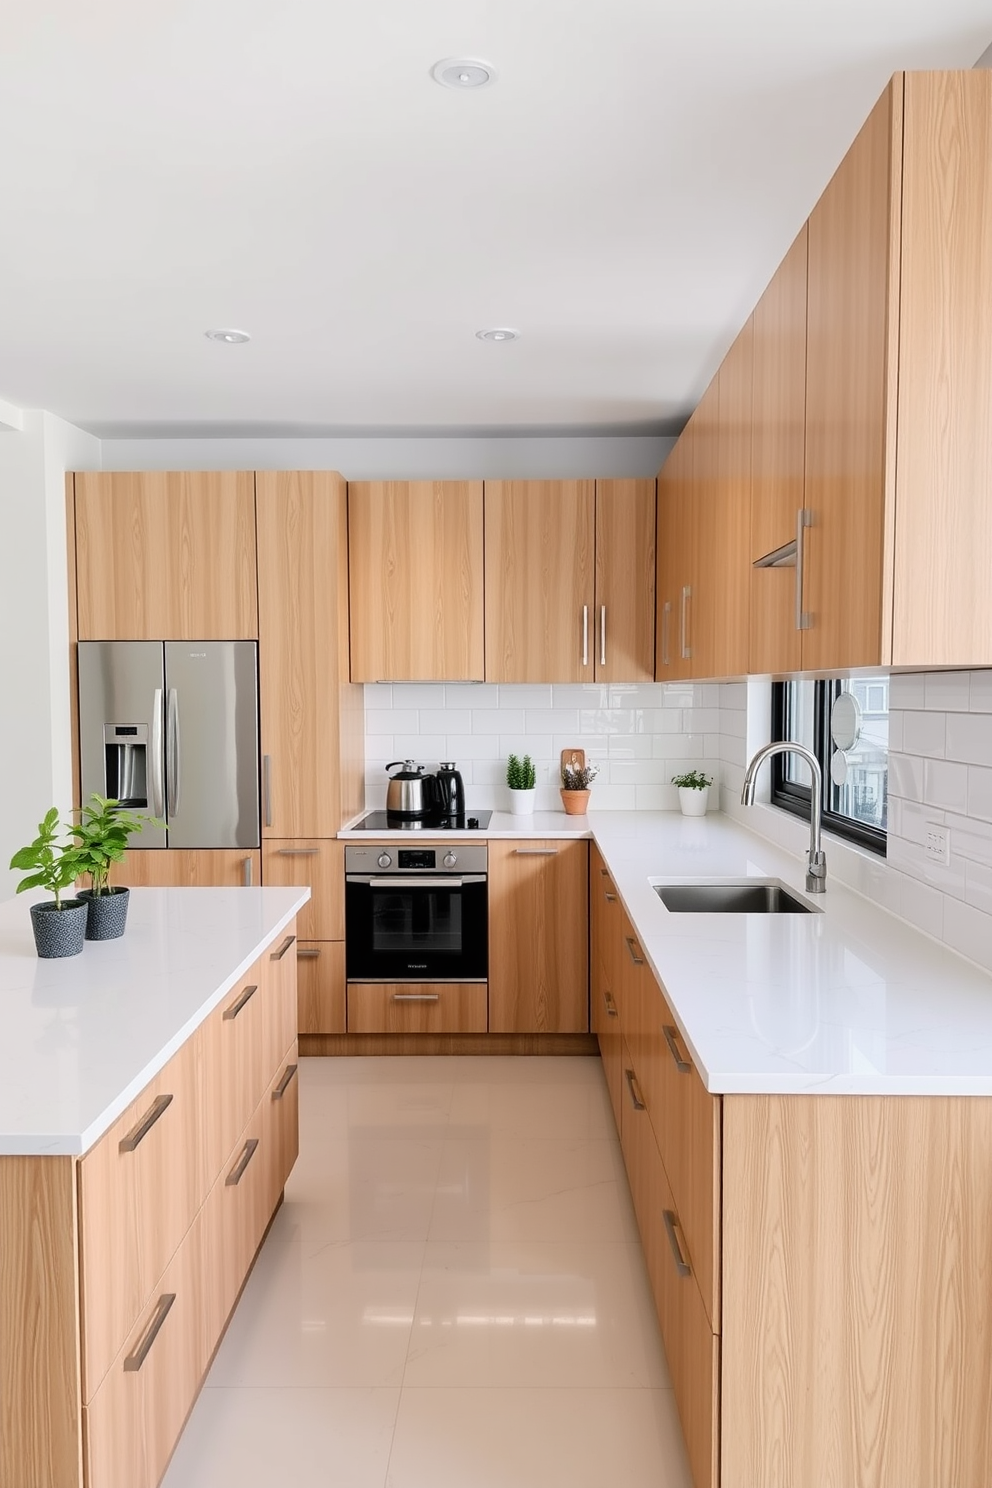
{"x":602,"y":635}
{"x":666,"y":625}
{"x":416,"y":996}
{"x":230,"y":1013}
{"x":804,"y":519}
{"x":246,"y":872}
{"x":138,"y":1133}
{"x":635,"y":1099}
{"x":413,"y":882}
{"x":173,"y":759}
{"x":630,"y":943}
{"x":585,"y":635}
{"x":611,"y":1007}
{"x":535,"y":852}
{"x":284,"y":1083}
{"x":307,"y":953}
{"x":297,"y":852}
{"x":671,"y":1034}
{"x":684,"y":622}
{"x":671,"y":1220}
{"x":610,"y":898}
{"x":267,"y":788}
{"x":163,"y":1306}
{"x":236,"y":1174}
{"x":278,"y":955}
{"x":158,"y":761}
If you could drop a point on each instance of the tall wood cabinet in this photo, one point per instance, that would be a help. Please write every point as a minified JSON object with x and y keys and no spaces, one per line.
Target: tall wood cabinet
{"x":625,"y":580}
{"x":166,"y":555}
{"x":539,"y":936}
{"x":415,"y":557}
{"x":320,"y":951}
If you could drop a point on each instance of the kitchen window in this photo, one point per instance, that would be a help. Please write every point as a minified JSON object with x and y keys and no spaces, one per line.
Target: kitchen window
{"x":845,"y":722}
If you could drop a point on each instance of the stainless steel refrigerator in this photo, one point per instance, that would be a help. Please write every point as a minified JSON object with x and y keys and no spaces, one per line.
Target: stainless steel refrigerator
{"x":171,"y":728}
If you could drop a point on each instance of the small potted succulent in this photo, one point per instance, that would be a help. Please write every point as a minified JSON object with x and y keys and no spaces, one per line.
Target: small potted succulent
{"x":59,"y":928}
{"x":576,"y":781}
{"x":101,"y":836}
{"x":694,"y":790}
{"x":521,"y":777}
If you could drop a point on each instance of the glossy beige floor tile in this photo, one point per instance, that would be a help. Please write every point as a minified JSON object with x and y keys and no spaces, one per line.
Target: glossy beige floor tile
{"x":453,"y":1293}
{"x":548,"y":1438}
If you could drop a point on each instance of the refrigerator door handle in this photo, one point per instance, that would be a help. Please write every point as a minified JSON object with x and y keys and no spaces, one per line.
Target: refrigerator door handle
{"x":157,"y":759}
{"x":174,"y":756}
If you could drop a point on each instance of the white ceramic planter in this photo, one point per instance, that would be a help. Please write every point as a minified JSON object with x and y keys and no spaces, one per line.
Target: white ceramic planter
{"x":693,"y":802}
{"x":522,"y":802}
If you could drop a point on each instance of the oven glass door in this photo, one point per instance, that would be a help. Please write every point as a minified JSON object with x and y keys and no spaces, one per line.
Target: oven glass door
{"x":416,"y":932}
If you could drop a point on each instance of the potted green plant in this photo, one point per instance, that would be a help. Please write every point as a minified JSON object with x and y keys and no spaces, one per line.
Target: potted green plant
{"x":694,"y":790}
{"x":575,"y":787}
{"x":521,"y":777}
{"x":59,"y":928}
{"x":101,"y":836}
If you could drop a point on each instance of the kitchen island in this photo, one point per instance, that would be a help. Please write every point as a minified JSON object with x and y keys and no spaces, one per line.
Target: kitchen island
{"x":148,"y":1120}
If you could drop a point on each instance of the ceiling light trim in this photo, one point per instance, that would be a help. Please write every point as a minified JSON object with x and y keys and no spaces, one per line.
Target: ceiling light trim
{"x":464,"y":74}
{"x":228,"y":336}
{"x":498,"y":334}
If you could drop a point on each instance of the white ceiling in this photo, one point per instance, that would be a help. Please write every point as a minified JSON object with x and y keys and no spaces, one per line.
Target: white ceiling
{"x":622,"y":194}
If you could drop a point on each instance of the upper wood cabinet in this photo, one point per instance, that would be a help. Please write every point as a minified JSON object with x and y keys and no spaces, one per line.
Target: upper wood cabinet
{"x":415,"y":555}
{"x":539,"y":937}
{"x":676,"y":558}
{"x":166,"y":555}
{"x":625,"y":580}
{"x":312,"y":719}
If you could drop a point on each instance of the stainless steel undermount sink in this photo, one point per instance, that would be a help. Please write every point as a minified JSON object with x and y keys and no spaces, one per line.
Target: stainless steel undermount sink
{"x":747,"y":896}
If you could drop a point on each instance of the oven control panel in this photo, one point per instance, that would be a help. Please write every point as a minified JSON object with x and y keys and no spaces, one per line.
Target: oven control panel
{"x":446,"y":857}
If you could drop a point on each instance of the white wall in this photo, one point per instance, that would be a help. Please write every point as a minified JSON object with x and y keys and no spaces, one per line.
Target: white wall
{"x":35,"y":746}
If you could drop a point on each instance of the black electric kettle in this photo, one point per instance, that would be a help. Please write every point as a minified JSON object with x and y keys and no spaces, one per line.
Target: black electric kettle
{"x":450,"y":790}
{"x":410,"y":792}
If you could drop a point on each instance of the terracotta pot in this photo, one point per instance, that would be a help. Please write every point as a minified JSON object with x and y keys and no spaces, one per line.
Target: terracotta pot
{"x":576,"y":803}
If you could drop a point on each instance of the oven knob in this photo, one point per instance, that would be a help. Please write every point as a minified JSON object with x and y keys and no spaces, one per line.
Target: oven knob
{"x":450,"y":859}
{"x":384,"y":860}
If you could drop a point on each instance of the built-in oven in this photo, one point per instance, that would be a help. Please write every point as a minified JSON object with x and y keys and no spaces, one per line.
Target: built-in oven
{"x":416,"y":914}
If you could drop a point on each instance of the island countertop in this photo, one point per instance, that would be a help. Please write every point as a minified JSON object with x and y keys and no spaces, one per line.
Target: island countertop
{"x":80,"y":1037}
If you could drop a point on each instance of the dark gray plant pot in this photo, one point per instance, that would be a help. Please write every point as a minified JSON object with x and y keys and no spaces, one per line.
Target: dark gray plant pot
{"x":59,"y":932}
{"x":107,"y":913}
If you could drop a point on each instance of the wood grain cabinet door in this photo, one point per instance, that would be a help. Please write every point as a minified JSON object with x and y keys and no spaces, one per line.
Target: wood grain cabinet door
{"x":166,"y":555}
{"x":538,"y":937}
{"x":624,"y":621}
{"x":540,"y":581}
{"x":319,"y":864}
{"x":190,"y":868}
{"x":320,"y":986}
{"x":416,"y":570}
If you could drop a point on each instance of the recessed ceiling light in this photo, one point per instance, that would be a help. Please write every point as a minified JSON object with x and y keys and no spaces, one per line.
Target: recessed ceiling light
{"x":463,"y":72}
{"x":229,"y":338}
{"x":498,"y":333}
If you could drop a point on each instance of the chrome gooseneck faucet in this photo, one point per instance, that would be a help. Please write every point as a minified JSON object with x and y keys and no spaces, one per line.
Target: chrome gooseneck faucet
{"x":816,"y":872}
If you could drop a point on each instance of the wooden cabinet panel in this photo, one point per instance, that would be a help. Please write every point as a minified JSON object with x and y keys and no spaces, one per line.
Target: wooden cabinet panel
{"x":674,"y":558}
{"x":605,"y":1017}
{"x":943,"y":532}
{"x":166,"y":555}
{"x":540,"y":538}
{"x":281,"y":1117}
{"x":187,"y":868}
{"x":414,"y":1007}
{"x":320,"y":987}
{"x":724,"y":581}
{"x":539,"y":937}
{"x":625,"y":580}
{"x":312,"y":719}
{"x":139,"y":1188}
{"x":234,"y":1042}
{"x":319,"y":864}
{"x":850,"y":393}
{"x":416,"y":563}
{"x":279,"y":970}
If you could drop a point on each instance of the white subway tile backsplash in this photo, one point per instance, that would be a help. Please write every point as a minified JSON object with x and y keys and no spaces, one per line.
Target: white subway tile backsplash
{"x":418,"y":695}
{"x":970,"y":838}
{"x":907,"y":690}
{"x":552,"y":720}
{"x":945,"y":784}
{"x":472,"y":746}
{"x":978,"y":887}
{"x":498,"y":721}
{"x":533,"y":695}
{"x":394,"y":721}
{"x":378,"y":695}
{"x":980,"y":692}
{"x":969,"y":738}
{"x":980,"y":792}
{"x":947,"y":692}
{"x":446,"y":721}
{"x":906,"y":777}
{"x":966,"y":929}
{"x":923,"y":733}
{"x":471,"y":695}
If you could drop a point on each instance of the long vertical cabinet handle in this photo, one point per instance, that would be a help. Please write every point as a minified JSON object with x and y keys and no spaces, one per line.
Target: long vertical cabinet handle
{"x":157,"y":757}
{"x":685,"y":648}
{"x":173,"y":762}
{"x":682,"y":1065}
{"x":804,"y":519}
{"x":602,"y":635}
{"x":585,"y":635}
{"x":138,"y":1355}
{"x":666,"y":625}
{"x":246,"y":872}
{"x":635,"y":1098}
{"x":267,"y":789}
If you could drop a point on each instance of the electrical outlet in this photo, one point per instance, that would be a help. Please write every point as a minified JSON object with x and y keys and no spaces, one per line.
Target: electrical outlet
{"x":937,"y":843}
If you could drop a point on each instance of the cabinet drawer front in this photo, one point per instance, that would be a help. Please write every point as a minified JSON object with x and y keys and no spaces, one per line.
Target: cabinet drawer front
{"x":281,"y":1129}
{"x":234,"y":1073}
{"x":319,"y":863}
{"x":418,"y":1007}
{"x":279,"y":973}
{"x":139,"y":1189}
{"x":606,"y":1026}
{"x":134,"y":1419}
{"x":320,"y":987}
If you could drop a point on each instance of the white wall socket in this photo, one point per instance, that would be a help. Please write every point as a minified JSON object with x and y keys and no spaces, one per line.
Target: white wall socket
{"x":937,"y":843}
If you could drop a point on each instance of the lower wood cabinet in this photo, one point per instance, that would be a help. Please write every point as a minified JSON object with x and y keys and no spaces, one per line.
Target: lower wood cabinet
{"x":539,"y":936}
{"x":321,"y":990}
{"x":412,"y":1007}
{"x":188,"y":868}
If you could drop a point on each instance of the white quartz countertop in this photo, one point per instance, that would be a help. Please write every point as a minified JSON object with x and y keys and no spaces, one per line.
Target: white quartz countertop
{"x":82,"y":1036}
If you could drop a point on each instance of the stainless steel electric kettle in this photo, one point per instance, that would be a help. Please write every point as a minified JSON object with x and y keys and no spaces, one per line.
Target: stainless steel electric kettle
{"x":410,"y":792}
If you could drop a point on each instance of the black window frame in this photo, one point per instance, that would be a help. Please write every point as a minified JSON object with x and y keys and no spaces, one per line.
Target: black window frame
{"x":796,"y":798}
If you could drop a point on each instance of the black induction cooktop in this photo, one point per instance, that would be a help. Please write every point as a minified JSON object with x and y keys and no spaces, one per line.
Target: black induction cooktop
{"x":384,"y":821}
